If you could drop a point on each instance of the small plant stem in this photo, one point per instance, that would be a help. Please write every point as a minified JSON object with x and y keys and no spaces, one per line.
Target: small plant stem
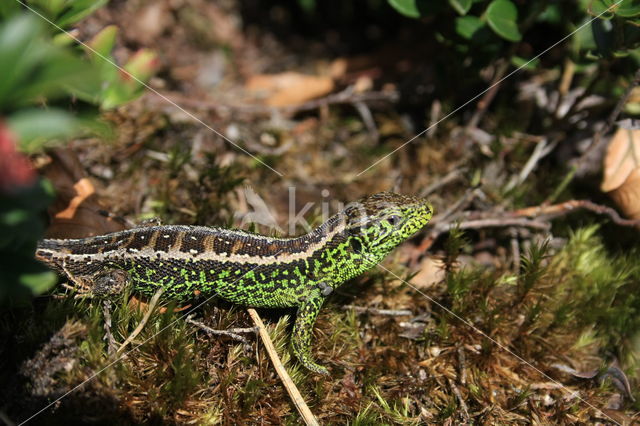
{"x":233,"y":332}
{"x":347,"y":96}
{"x":573,"y":205}
{"x":145,"y":319}
{"x":483,"y":104}
{"x":536,"y":217}
{"x":375,"y":311}
{"x":563,"y":185}
{"x":111,"y":341}
{"x":292,"y":390}
{"x":463,"y":405}
{"x":452,"y":176}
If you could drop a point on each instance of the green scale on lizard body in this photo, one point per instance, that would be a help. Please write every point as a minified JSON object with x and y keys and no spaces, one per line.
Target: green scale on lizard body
{"x":242,"y":267}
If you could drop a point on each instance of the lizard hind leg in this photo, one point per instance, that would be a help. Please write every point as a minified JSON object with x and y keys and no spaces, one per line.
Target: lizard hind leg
{"x":303,"y":330}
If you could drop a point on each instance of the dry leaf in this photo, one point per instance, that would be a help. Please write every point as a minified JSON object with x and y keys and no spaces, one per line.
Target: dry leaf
{"x":76,"y":212}
{"x":431,"y":272}
{"x":622,"y":171}
{"x":613,"y":371}
{"x":151,"y":21}
{"x":289,"y":88}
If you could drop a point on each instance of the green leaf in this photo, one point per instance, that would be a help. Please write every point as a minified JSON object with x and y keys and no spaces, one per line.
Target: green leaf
{"x":601,"y":9}
{"x":16,"y":36}
{"x":527,"y":64}
{"x":467,"y":26}
{"x":65,"y":13}
{"x":603,"y":36}
{"x":35,"y":127}
{"x":39,"y":282}
{"x":33,"y":69}
{"x":125,"y":87}
{"x":502,"y":17}
{"x":79,"y":10}
{"x":410,"y":8}
{"x":461,"y":6}
{"x":102,"y":43}
{"x":8,"y":8}
{"x":625,"y":9}
{"x":552,"y":14}
{"x":628,"y":8}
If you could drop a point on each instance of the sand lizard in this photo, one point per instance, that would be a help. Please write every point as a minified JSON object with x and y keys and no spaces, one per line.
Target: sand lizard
{"x":243,"y":267}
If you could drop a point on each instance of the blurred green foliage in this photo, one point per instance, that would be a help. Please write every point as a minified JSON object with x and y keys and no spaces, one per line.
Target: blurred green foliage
{"x":51,"y":90}
{"x":61,"y":13}
{"x":21,"y":226}
{"x":35,"y":70}
{"x":508,"y":21}
{"x":117,"y":87}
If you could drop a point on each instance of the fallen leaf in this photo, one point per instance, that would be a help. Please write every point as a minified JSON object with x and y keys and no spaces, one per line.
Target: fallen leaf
{"x":627,"y":196}
{"x":622,"y":171}
{"x":431,"y":271}
{"x":412,"y":331}
{"x":76,"y":212}
{"x":151,"y":21}
{"x":289,"y":88}
{"x":614,"y":372}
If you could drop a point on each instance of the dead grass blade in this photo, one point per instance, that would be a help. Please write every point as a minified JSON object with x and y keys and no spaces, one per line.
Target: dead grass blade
{"x":291,"y":388}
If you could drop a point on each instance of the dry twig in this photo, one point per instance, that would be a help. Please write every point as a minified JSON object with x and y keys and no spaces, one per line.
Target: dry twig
{"x":232,"y":332}
{"x":293,"y":391}
{"x":452,"y":176}
{"x":463,"y":405}
{"x":537,"y":217}
{"x":145,"y":319}
{"x":561,"y":209}
{"x":483,"y":104}
{"x":347,"y":96}
{"x":111,"y":341}
{"x":375,"y":311}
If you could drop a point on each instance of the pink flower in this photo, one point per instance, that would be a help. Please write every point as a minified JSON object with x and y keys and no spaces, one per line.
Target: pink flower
{"x":15,"y":168}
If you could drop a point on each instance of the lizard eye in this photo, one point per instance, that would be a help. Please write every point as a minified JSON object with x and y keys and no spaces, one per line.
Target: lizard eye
{"x":394,"y":220}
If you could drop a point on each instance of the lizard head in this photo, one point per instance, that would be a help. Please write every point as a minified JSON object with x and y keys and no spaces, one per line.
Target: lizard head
{"x":379,"y":223}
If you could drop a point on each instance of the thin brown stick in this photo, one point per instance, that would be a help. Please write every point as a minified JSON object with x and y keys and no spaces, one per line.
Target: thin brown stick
{"x":536,"y":217}
{"x":460,"y":204}
{"x":347,"y":96}
{"x":152,"y":304}
{"x":6,"y":419}
{"x":452,"y":176}
{"x":485,"y":101}
{"x":291,"y":388}
{"x":232,"y":332}
{"x":111,"y":341}
{"x":570,"y":206}
{"x":493,"y":222}
{"x":463,"y":405}
{"x":375,"y":311}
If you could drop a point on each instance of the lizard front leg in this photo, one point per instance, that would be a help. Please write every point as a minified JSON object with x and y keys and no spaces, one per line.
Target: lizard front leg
{"x":303,"y":330}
